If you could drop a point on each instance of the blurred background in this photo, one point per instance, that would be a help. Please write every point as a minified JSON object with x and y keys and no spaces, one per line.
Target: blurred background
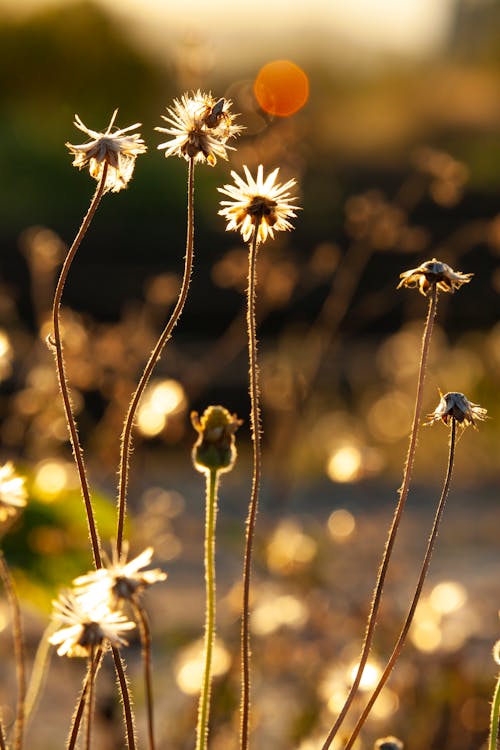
{"x":397,"y":155}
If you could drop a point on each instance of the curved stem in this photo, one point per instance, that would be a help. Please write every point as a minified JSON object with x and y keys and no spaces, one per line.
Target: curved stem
{"x":418,"y":590}
{"x":126,"y":441}
{"x":403,"y":494}
{"x":211,"y":515}
{"x":254,"y":497}
{"x":127,"y":704}
{"x":61,"y":370}
{"x":145,"y":634}
{"x":495,"y":711}
{"x":19,"y":652}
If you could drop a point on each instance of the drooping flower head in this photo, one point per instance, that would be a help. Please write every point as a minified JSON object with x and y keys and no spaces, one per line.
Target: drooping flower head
{"x":456,"y":406}
{"x":119,"y":580}
{"x":84,"y":626}
{"x":200,"y":126}
{"x":434,"y":273}
{"x":215,"y":447}
{"x":388,"y":743}
{"x":262,"y":205}
{"x":13,"y":493}
{"x":118,"y":149}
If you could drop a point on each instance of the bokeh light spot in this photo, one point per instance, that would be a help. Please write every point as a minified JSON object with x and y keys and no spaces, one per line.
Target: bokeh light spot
{"x":190,"y":664}
{"x":370,"y":676}
{"x":281,"y":88}
{"x":447,"y":597}
{"x":341,"y":524}
{"x":344,"y":464}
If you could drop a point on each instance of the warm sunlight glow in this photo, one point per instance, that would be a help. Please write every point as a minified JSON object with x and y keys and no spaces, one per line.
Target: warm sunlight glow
{"x":341,"y":524}
{"x":290,"y":548}
{"x":189,"y":670}
{"x":167,"y":396}
{"x":281,"y":88}
{"x":426,"y":636}
{"x":149,"y":421}
{"x":447,"y":597}
{"x":344,"y":464}
{"x":276,"y":612}
{"x":51,"y":479}
{"x":370,"y":676}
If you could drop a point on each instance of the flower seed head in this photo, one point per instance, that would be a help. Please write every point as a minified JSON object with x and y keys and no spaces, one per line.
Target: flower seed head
{"x":215,"y":448}
{"x":200,"y":126}
{"x":457,"y":406}
{"x":13,"y":493}
{"x":85,"y":624}
{"x":434,"y":273}
{"x":118,"y":150}
{"x":119,"y":580}
{"x":388,"y":743}
{"x":260,"y":205}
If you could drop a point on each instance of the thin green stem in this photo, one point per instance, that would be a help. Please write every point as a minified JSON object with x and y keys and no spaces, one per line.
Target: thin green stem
{"x":145,"y":634}
{"x":126,"y":441}
{"x":418,"y":590}
{"x":19,"y":651}
{"x":61,"y":370}
{"x":403,"y":494}
{"x":127,"y":704}
{"x":254,"y":497}
{"x":495,"y":712}
{"x":210,"y":521}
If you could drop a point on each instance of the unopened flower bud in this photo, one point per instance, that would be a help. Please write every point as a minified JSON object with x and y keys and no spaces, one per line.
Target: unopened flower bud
{"x":388,"y":743}
{"x":215,"y":449}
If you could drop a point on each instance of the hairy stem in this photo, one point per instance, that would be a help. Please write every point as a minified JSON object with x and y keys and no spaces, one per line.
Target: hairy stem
{"x":145,"y":634}
{"x":127,"y":704}
{"x":61,"y":370}
{"x":418,"y":590}
{"x":82,"y":700}
{"x":19,"y":652}
{"x":210,"y":520}
{"x":403,"y":494}
{"x":495,"y":711}
{"x":90,"y":698}
{"x":126,"y":441}
{"x":254,"y":497}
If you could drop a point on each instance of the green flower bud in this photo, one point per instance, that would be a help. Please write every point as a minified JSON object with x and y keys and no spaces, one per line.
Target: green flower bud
{"x":215,"y":448}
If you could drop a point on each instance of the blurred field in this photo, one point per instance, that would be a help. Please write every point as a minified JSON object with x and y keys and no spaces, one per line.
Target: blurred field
{"x":397,"y":161}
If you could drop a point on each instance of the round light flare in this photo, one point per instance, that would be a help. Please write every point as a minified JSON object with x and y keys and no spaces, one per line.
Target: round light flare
{"x":290,"y":549}
{"x":5,"y":347}
{"x":370,"y":676}
{"x":281,"y":88}
{"x":341,"y":524}
{"x":51,"y":478}
{"x":189,"y":670}
{"x":426,"y":636}
{"x":285,"y":610}
{"x":344,"y":464}
{"x":447,"y":597}
{"x":150,"y":421}
{"x":167,"y":396}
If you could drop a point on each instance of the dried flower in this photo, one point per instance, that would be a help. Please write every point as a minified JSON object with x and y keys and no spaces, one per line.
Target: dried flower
{"x":434,"y":273}
{"x":215,"y":448}
{"x":388,"y":743}
{"x":119,"y":580}
{"x":118,"y":149}
{"x":201,"y":126}
{"x":457,"y":406}
{"x":13,"y":493}
{"x":258,"y":205}
{"x":86,"y":625}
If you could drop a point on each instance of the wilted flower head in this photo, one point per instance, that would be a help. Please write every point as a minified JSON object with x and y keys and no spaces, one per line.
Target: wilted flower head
{"x":118,"y":149}
{"x":119,"y":580}
{"x":200,"y":126}
{"x":457,"y":406}
{"x":261,"y":206}
{"x":13,"y":493}
{"x":388,"y":743}
{"x":215,"y":447}
{"x":85,"y":626}
{"x":434,"y":273}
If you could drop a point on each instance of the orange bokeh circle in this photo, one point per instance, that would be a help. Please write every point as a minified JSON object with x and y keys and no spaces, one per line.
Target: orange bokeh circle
{"x":281,"y":88}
